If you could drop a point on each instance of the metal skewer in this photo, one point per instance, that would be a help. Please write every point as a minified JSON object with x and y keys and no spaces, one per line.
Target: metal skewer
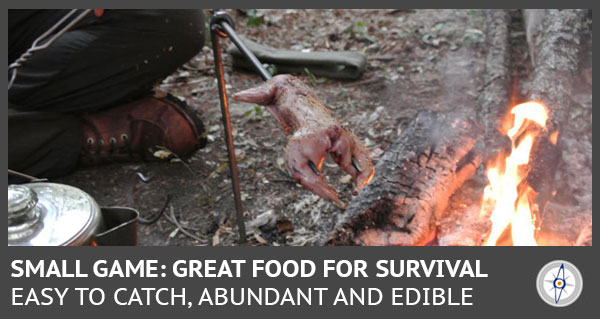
{"x":29,"y":178}
{"x":221,"y":25}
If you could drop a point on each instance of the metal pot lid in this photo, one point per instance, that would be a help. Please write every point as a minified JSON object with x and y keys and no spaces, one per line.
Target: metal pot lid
{"x":48,"y":214}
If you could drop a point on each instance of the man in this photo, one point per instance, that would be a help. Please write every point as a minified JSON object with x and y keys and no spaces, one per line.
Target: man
{"x":87,"y":98}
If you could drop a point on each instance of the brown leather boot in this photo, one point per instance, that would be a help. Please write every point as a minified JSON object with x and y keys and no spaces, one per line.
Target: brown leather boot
{"x":133,"y":132}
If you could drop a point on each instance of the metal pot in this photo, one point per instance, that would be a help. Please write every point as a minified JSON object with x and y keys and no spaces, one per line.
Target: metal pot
{"x":49,"y":214}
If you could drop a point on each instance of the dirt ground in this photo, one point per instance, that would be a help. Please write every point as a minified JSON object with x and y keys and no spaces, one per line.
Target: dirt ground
{"x":417,"y":59}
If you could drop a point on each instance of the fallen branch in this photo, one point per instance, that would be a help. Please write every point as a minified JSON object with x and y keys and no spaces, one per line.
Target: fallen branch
{"x":173,"y":220}
{"x":364,"y":82}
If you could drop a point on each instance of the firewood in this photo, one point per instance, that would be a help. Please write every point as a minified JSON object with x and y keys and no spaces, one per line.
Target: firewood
{"x":556,"y":61}
{"x":554,"y":38}
{"x":414,"y":179}
{"x":495,"y":96}
{"x":470,"y":230}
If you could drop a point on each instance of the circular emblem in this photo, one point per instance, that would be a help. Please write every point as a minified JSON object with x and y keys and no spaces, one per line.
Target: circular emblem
{"x":559,"y":283}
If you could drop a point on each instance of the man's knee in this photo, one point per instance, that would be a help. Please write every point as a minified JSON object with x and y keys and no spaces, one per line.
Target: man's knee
{"x":185,"y":29}
{"x":108,"y":60}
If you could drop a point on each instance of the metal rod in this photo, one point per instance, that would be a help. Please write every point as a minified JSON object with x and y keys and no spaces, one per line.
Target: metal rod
{"x":25,"y":176}
{"x":264,"y":74}
{"x":214,"y":34}
{"x":38,"y":45}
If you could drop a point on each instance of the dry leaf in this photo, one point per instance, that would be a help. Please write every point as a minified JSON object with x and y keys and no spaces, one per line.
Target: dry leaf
{"x":162,"y":154}
{"x":260,"y":239}
{"x":284,"y":226}
{"x":174,"y":233}
{"x":216,"y":240}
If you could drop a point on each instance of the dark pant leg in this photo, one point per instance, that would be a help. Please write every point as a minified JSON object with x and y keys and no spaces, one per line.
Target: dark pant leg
{"x":43,"y":144}
{"x":103,"y":62}
{"x":108,"y":60}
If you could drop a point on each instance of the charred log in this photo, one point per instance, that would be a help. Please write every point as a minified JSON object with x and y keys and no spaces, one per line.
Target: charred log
{"x":495,"y":95}
{"x":470,"y":229}
{"x":565,"y":225}
{"x":555,"y":44}
{"x":554,"y":38}
{"x":414,"y":179}
{"x":585,"y":237}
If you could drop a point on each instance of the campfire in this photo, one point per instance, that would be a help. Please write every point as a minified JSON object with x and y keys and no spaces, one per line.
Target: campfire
{"x":406,"y":203}
{"x":488,"y":179}
{"x":508,"y":198}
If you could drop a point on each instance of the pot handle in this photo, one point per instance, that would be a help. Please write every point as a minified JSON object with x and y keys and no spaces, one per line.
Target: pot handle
{"x":120,"y":227}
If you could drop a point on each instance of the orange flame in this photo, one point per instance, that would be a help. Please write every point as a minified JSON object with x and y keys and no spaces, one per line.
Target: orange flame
{"x":504,"y":196}
{"x":554,"y":137}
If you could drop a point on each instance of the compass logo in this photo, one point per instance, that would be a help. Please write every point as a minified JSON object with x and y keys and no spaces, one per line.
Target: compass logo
{"x":559,"y":283}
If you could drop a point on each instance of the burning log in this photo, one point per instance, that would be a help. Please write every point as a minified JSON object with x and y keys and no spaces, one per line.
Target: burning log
{"x":521,"y":183}
{"x":413,"y":181}
{"x":565,"y":225}
{"x":554,"y":38}
{"x":470,"y":229}
{"x":495,"y":96}
{"x":585,"y":237}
